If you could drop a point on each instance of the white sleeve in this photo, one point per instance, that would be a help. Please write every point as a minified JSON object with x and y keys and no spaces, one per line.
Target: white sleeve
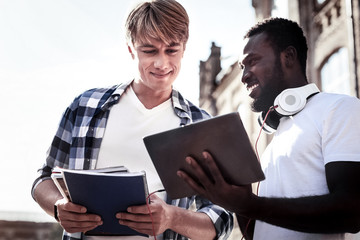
{"x":341,"y":131}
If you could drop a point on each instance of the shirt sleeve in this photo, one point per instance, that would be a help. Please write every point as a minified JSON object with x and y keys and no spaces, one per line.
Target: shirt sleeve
{"x":58,"y":153}
{"x":341,"y":131}
{"x":222,"y":219}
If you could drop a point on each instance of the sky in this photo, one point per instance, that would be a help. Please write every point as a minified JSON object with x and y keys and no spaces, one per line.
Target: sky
{"x":52,"y":50}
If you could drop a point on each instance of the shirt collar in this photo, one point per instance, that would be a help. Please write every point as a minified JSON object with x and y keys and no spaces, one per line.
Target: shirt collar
{"x":180,"y":104}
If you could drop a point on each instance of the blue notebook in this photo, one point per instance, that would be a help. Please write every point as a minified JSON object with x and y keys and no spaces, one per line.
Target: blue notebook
{"x":106,"y":194}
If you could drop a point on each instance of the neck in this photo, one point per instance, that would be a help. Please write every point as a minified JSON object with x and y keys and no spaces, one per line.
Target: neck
{"x":297,"y":84}
{"x":294,"y":77}
{"x":294,"y":80}
{"x":149,"y":97}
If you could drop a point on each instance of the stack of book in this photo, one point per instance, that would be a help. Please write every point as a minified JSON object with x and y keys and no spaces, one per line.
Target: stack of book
{"x":104,"y":192}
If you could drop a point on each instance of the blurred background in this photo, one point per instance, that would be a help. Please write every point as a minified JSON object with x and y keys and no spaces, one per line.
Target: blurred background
{"x":51,"y":51}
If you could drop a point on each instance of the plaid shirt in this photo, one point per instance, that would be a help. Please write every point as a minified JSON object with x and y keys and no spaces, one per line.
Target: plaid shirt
{"x":77,"y":142}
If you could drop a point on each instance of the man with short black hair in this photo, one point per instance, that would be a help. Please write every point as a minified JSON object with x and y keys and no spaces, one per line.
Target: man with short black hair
{"x":312,"y":165}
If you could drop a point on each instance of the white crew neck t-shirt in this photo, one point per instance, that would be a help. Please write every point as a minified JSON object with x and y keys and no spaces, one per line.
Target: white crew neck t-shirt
{"x":129,"y":121}
{"x":294,"y":162}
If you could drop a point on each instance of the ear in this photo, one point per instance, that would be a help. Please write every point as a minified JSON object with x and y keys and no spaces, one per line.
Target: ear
{"x":130,"y":51}
{"x":289,"y":56}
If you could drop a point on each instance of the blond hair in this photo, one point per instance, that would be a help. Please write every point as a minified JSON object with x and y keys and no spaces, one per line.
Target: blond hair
{"x":164,"y":20}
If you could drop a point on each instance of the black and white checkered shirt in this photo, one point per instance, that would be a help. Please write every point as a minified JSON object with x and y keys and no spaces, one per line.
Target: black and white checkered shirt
{"x":77,"y":142}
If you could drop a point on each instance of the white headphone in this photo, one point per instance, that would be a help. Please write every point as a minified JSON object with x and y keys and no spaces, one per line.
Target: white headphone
{"x":293,"y":100}
{"x":288,"y":103}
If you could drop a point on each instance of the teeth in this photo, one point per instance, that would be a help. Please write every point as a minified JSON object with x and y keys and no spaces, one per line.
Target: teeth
{"x":252,"y":87}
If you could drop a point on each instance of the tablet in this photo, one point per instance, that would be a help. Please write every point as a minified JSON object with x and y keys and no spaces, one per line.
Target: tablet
{"x":223,"y":136}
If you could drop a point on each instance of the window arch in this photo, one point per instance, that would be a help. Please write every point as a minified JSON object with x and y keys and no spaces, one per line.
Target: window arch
{"x":335,"y":75}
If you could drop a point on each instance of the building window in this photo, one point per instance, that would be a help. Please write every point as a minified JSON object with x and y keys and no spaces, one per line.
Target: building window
{"x":335,"y":76}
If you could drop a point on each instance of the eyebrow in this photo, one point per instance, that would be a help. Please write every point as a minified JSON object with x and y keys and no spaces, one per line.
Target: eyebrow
{"x":148,"y":45}
{"x":250,"y":55}
{"x":173,"y":44}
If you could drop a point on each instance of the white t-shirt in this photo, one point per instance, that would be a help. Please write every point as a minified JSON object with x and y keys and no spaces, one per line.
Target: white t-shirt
{"x":129,"y":121}
{"x":326,"y":130}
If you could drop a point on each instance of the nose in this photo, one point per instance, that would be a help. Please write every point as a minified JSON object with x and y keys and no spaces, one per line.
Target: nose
{"x":245,"y":76}
{"x":161,"y":61}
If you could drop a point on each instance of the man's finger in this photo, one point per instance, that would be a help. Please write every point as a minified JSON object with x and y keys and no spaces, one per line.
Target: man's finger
{"x":191,"y":182}
{"x":213,"y":168}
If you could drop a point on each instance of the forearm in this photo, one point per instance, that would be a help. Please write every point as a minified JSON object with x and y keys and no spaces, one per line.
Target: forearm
{"x":46,"y":194}
{"x":194,"y":225}
{"x":316,"y":214}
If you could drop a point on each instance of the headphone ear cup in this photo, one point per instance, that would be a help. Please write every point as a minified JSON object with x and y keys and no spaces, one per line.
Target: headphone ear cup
{"x":271,"y":123}
{"x":289,"y":102}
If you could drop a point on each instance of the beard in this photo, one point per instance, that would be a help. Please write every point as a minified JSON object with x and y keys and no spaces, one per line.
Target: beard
{"x":265,"y":101}
{"x":270,"y":90}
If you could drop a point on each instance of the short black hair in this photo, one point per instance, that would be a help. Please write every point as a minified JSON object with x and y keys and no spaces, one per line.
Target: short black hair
{"x":283,"y":33}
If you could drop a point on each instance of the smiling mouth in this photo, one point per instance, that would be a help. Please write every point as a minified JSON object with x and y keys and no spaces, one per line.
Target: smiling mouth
{"x":251,"y":87}
{"x":160,"y":75}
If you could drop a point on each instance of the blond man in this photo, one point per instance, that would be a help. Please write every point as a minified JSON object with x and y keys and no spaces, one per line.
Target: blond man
{"x":104,"y":127}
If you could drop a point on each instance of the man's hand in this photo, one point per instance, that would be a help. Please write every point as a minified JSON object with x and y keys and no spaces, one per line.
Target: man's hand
{"x":214,"y":187}
{"x":73,"y":218}
{"x":139,"y":218}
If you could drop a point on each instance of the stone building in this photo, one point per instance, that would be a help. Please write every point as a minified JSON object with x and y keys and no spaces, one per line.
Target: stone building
{"x":333,"y":31}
